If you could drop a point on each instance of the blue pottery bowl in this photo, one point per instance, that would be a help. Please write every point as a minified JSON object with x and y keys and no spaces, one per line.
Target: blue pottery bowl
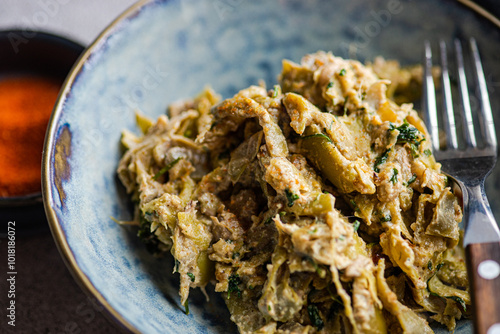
{"x":161,"y":51}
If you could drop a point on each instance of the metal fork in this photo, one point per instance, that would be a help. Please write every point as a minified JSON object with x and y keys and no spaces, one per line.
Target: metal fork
{"x":469,"y":167}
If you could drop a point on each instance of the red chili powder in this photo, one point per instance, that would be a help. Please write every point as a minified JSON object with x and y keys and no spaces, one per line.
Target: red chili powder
{"x":26,"y":103}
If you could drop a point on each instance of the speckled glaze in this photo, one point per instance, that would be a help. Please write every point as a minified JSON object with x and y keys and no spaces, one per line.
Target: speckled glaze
{"x":162,"y":51}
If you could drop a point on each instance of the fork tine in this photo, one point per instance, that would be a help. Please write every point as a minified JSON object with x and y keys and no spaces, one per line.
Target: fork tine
{"x":487,"y":124}
{"x":430,"y":98}
{"x":449,"y":125}
{"x":470,"y":138}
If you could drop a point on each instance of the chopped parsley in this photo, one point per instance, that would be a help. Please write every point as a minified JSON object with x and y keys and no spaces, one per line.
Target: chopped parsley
{"x":312,"y":231}
{"x":315,"y":317}
{"x":191,"y":276}
{"x":354,"y":205}
{"x":460,"y":301}
{"x":428,"y":152}
{"x":276,"y":91}
{"x":454,"y":298}
{"x":439,"y":266}
{"x":381,"y":160}
{"x":233,"y":285}
{"x":319,"y":135}
{"x":320,"y":271}
{"x":291,"y":197}
{"x":342,"y":72}
{"x":412,"y":179}
{"x":166,"y":168}
{"x":355,"y":225}
{"x":414,"y":150}
{"x":386,"y":218}
{"x":407,"y":133}
{"x":394,"y":177}
{"x":330,"y":85}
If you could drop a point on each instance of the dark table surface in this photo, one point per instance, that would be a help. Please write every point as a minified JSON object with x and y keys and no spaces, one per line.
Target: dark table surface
{"x":48,"y":300}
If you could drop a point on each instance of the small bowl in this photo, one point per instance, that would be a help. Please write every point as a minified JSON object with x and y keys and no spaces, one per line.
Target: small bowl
{"x":42,"y":54}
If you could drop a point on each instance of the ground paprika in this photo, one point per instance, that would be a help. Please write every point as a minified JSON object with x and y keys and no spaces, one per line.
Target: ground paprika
{"x":26,"y":103}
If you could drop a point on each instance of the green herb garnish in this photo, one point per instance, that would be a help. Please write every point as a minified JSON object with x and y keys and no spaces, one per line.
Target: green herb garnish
{"x":394,"y":177}
{"x":191,"y":276}
{"x":315,"y":317}
{"x":166,"y":168}
{"x":319,"y":135}
{"x":412,"y":179}
{"x":428,"y":152}
{"x":386,"y":218}
{"x":460,"y":301}
{"x":407,"y":133}
{"x":291,"y":197}
{"x":330,"y":85}
{"x":381,"y":160}
{"x":276,"y":91}
{"x":414,"y":150}
{"x":356,"y":225}
{"x":342,"y":72}
{"x":315,"y":265}
{"x":233,"y":285}
{"x":429,"y":265}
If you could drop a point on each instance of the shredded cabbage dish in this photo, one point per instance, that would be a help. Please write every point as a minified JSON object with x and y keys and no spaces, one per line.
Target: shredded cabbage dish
{"x":314,"y":206}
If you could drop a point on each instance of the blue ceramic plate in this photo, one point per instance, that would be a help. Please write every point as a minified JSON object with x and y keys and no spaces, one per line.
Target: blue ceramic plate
{"x":162,"y":51}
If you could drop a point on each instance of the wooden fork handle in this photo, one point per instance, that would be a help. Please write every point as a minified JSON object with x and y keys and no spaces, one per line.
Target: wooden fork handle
{"x":484,"y":274}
